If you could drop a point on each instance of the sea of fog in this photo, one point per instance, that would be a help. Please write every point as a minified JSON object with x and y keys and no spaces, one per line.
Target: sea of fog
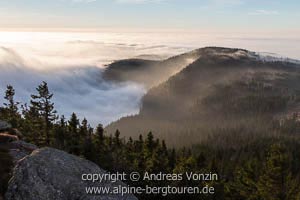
{"x":72,"y":64}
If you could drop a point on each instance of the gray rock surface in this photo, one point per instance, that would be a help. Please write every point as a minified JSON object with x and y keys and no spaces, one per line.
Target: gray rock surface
{"x":51,"y":174}
{"x":24,"y":146}
{"x":4,"y":125}
{"x":19,"y":149}
{"x":7,"y":138}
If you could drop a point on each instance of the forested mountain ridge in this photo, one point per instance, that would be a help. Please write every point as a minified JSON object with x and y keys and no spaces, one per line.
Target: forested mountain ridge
{"x":235,"y":113}
{"x":149,"y":72}
{"x":223,"y":89}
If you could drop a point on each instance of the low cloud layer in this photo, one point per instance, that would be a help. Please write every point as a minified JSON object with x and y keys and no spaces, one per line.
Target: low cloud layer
{"x":78,"y":89}
{"x":72,"y":64}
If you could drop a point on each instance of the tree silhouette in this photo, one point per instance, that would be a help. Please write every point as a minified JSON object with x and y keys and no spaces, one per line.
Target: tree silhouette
{"x":42,"y":101}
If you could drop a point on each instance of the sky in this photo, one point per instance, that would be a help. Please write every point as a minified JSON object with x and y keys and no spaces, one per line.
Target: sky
{"x":220,"y":15}
{"x":68,"y":43}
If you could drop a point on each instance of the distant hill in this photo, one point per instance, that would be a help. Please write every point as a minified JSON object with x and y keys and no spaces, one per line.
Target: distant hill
{"x":223,"y":90}
{"x":148,"y":72}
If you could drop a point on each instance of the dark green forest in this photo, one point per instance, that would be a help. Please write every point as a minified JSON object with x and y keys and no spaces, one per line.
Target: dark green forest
{"x":224,"y":91}
{"x":260,"y":166}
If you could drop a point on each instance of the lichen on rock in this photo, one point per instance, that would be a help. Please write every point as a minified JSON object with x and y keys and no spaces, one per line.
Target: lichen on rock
{"x":51,"y":174}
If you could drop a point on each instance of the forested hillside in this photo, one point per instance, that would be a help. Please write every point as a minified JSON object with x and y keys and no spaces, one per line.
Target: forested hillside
{"x":262,"y":167}
{"x":227,"y":113}
{"x":148,"y":72}
{"x":225,"y":90}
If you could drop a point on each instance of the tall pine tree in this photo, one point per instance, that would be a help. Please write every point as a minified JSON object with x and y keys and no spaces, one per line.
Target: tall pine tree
{"x":277,"y":183}
{"x":42,"y":101}
{"x":11,"y":107}
{"x":73,"y":134}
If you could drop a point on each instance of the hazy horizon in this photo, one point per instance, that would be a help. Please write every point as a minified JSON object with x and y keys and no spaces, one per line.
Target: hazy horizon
{"x":71,"y":62}
{"x":180,"y":87}
{"x":69,"y":42}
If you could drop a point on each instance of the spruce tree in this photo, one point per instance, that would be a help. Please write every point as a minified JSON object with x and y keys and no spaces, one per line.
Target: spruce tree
{"x":73,"y":134}
{"x":88,"y":146}
{"x":60,"y":133}
{"x":172,"y":159}
{"x":100,"y":146}
{"x":116,"y":140}
{"x":83,"y":133}
{"x":118,"y":152}
{"x":83,"y":128}
{"x":42,"y":101}
{"x":244,"y":185}
{"x":276,"y":182}
{"x":11,"y":107}
{"x":99,"y":135}
{"x":149,"y":144}
{"x":32,"y":124}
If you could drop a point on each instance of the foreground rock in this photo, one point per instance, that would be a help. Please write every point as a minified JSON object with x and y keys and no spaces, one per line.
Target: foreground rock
{"x":6,"y":138}
{"x":50,"y":174}
{"x":19,"y":149}
{"x":4,"y":125}
{"x":10,"y":139}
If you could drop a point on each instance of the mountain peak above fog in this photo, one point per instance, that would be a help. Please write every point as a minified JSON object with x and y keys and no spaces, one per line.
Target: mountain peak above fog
{"x":151,"y":73}
{"x":222,"y":51}
{"x":219,"y":85}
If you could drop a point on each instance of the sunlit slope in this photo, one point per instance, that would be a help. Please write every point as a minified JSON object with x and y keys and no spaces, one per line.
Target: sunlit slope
{"x":148,"y":72}
{"x":224,"y":89}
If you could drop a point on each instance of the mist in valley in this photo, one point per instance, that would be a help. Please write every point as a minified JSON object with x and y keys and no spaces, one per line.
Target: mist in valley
{"x":73,"y":64}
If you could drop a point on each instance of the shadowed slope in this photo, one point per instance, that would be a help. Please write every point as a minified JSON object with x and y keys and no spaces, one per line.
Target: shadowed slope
{"x":223,"y":89}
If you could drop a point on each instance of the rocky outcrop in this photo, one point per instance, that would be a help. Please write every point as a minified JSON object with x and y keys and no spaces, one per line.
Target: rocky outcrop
{"x":10,"y":139}
{"x":19,"y":149}
{"x":4,"y":125}
{"x":51,"y":174}
{"x":6,"y":138}
{"x":16,"y":132}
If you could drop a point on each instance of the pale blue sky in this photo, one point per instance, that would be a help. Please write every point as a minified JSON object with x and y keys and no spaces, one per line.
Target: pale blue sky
{"x":254,"y":15}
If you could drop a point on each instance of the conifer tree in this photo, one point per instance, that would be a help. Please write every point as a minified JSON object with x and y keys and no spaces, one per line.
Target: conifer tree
{"x":129,"y":155}
{"x":172,"y":159}
{"x":100,"y":146}
{"x":116,"y":140}
{"x":74,"y":137}
{"x":89,"y":151}
{"x":83,"y":128}
{"x":158,"y":161}
{"x":42,"y":101}
{"x":11,"y":107}
{"x":138,"y":144}
{"x":60,"y":133}
{"x":130,"y":145}
{"x":118,"y":152}
{"x":140,"y":160}
{"x":83,"y":133}
{"x":32,"y":124}
{"x":149,"y":144}
{"x":99,"y":136}
{"x":244,"y":185}
{"x":276,"y":182}
{"x":201,"y":160}
{"x":110,"y":142}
